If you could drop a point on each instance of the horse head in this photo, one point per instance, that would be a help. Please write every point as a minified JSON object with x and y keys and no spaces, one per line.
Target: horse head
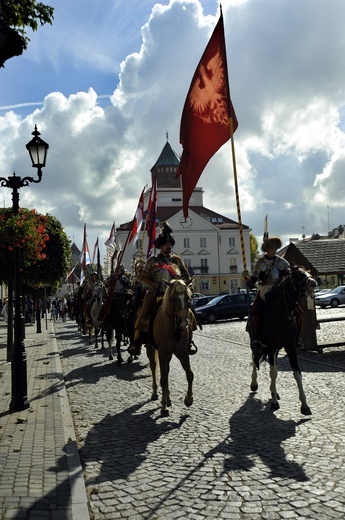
{"x":177,"y":300}
{"x":303,"y":280}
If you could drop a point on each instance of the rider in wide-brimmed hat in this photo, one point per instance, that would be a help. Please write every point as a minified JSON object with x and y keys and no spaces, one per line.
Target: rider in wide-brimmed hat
{"x":268,"y":271}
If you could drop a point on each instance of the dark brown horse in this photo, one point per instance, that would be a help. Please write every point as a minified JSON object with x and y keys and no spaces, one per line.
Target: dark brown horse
{"x":118,"y":319}
{"x":171,"y":335}
{"x":279,"y":330}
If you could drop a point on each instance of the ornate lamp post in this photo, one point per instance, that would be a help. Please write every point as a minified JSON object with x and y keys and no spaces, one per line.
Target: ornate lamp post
{"x":37,"y":149}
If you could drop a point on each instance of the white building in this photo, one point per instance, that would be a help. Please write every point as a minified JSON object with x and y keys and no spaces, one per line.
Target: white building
{"x":209,"y":243}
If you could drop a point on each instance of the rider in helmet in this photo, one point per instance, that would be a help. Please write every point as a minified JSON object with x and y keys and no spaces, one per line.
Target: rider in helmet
{"x":165,"y":265}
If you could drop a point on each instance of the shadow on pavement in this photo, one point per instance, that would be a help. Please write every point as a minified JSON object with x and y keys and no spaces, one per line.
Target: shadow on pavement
{"x":134,"y":432}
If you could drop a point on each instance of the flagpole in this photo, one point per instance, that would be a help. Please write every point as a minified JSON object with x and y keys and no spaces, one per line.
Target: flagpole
{"x":129,"y":234}
{"x":239,"y":218}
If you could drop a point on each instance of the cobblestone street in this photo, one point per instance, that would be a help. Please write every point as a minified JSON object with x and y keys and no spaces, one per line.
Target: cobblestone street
{"x":228,"y":456}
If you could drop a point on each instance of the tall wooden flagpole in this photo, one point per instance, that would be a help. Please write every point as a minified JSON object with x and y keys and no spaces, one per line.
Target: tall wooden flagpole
{"x":245,"y":273}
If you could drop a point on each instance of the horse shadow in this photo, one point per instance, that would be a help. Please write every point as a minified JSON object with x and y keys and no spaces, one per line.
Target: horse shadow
{"x":135,"y":430}
{"x":255,"y":431}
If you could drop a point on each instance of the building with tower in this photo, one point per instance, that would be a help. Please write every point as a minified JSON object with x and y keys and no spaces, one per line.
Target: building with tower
{"x":209,"y":243}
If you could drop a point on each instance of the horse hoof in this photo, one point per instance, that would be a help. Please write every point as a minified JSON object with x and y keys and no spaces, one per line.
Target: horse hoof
{"x":305,"y":410}
{"x":168,"y":403}
{"x":254,"y":388}
{"x":188,"y":402}
{"x":119,"y":361}
{"x":130,"y":359}
{"x":111,"y":358}
{"x":275,"y":406}
{"x":164,"y":413}
{"x":154,"y":397}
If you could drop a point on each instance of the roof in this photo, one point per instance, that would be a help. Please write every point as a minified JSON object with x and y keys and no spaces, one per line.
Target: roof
{"x":164,"y":213}
{"x":167,"y":157}
{"x":324,"y":256}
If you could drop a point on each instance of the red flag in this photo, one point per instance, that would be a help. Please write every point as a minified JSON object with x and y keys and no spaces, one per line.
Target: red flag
{"x":205,"y":123}
{"x":109,"y":242}
{"x":151,"y":217}
{"x":138,"y":219}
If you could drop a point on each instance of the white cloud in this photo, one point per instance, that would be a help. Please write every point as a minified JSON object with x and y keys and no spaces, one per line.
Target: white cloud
{"x":287,"y":85}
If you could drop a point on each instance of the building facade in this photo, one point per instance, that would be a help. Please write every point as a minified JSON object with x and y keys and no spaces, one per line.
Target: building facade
{"x":208,"y":242}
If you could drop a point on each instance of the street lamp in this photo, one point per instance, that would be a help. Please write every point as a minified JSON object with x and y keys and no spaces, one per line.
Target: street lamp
{"x":37,"y":149}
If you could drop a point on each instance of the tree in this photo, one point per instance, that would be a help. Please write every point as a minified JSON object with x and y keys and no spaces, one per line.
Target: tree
{"x":45,"y":248}
{"x":15,"y":17}
{"x":253,"y":248}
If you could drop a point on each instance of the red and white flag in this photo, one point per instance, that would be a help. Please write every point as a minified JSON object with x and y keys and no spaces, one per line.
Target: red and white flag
{"x":151,"y":217}
{"x":94,"y":254}
{"x":110,"y":241}
{"x":138,"y":220}
{"x":208,"y":117}
{"x":85,"y":256}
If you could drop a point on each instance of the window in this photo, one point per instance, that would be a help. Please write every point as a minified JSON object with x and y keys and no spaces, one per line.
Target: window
{"x":203,"y":242}
{"x":232,"y":242}
{"x":233,"y":265}
{"x":204,"y":285}
{"x":187,"y":262}
{"x":186,"y":242}
{"x":204,"y":266}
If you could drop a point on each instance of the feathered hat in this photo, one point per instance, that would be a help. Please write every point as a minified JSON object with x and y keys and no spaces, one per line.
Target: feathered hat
{"x":165,"y":236}
{"x":274,"y":242}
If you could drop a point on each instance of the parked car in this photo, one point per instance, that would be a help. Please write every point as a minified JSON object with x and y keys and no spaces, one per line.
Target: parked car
{"x":197,"y":295}
{"x":200,"y":302}
{"x":225,"y":307}
{"x":333,"y":297}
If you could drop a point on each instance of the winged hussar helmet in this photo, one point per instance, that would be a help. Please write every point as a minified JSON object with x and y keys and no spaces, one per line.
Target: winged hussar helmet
{"x":165,"y":236}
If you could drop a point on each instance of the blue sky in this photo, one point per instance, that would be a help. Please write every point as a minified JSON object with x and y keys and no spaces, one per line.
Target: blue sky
{"x":107,"y":80}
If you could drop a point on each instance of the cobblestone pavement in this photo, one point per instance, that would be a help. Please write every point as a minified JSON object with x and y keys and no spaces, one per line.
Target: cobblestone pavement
{"x":228,"y":456}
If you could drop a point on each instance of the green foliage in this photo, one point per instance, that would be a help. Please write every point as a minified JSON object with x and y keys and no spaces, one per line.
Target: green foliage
{"x":45,"y":248}
{"x":20,"y":14}
{"x":253,"y":248}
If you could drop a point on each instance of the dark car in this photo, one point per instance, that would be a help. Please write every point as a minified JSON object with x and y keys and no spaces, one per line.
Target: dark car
{"x":200,"y":302}
{"x":225,"y":307}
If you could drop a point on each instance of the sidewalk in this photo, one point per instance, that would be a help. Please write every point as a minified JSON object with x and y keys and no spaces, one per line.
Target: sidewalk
{"x":40,"y":473}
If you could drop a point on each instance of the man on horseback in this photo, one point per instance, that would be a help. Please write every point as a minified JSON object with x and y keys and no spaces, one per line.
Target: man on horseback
{"x":268,"y":271}
{"x":164,"y":266}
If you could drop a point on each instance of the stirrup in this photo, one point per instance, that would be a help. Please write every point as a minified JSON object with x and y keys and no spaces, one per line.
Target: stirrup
{"x":299,"y":344}
{"x":192,"y":348}
{"x":257,"y":347}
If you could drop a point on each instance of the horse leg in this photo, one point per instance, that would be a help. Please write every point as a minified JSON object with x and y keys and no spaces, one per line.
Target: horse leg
{"x":102,"y":338}
{"x":90,"y":333}
{"x":184,"y":360}
{"x":118,"y":337}
{"x":274,"y":393}
{"x":109,"y":336}
{"x":254,"y":382}
{"x":292,"y":355}
{"x":96,"y":336}
{"x":152,"y":355}
{"x":164,"y":381}
{"x":305,"y":410}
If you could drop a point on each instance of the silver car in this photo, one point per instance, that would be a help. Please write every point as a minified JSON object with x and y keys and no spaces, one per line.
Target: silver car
{"x":334,"y":297}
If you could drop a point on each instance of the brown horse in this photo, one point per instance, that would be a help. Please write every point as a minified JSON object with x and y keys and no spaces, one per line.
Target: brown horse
{"x":279,"y":330}
{"x":171,"y":335}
